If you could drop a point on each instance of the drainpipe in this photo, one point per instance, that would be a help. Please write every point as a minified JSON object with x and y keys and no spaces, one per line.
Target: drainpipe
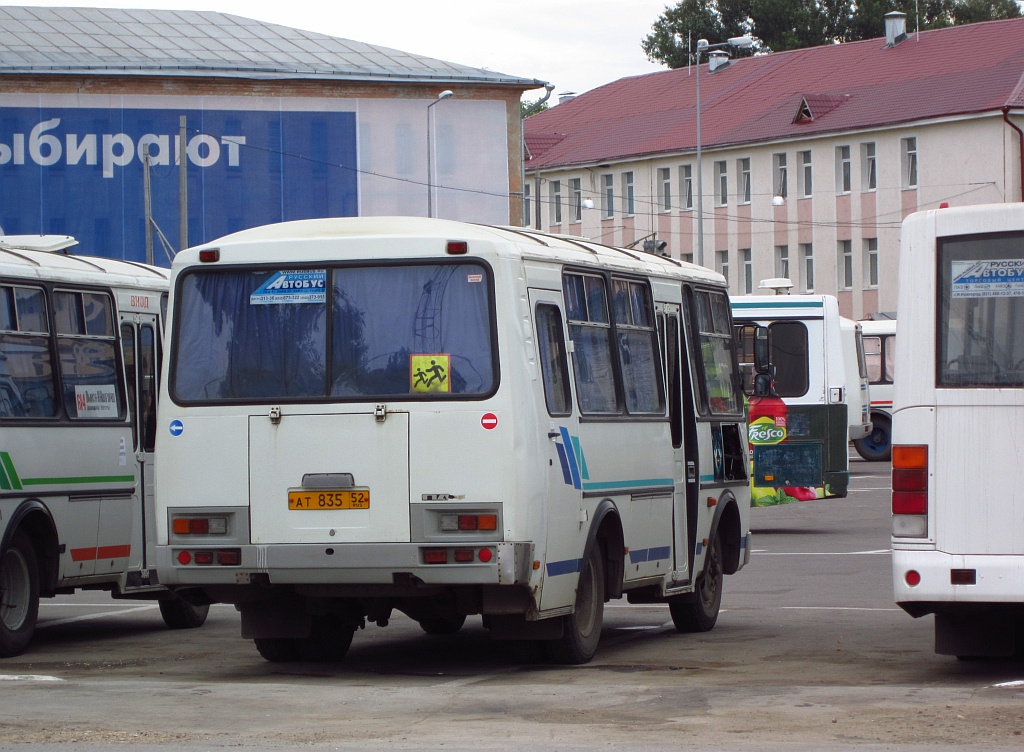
{"x":548,"y":88}
{"x":1020,"y":138}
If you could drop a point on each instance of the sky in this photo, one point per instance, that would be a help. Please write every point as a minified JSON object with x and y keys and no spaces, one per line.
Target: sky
{"x":577,"y":45}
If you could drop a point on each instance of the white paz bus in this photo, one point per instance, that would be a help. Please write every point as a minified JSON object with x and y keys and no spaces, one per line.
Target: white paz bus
{"x":958,"y":427}
{"x":79,"y":359}
{"x":370,"y":414}
{"x":799,"y":435}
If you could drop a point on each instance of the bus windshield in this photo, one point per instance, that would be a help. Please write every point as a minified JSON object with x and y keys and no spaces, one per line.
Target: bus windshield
{"x":981,"y":311}
{"x":421,"y":331}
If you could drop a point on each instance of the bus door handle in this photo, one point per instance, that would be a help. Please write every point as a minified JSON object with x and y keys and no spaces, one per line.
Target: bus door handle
{"x":554,"y":434}
{"x":691,"y":471}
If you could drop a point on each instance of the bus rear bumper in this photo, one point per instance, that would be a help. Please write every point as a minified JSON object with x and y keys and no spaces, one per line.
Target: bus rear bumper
{"x":951,"y":581}
{"x":399,"y":564}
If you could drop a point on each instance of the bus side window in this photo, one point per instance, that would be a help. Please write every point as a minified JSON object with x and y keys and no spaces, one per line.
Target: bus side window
{"x":590,"y":330}
{"x":27,"y":386}
{"x":147,"y":388}
{"x":744,"y":336}
{"x":554,"y":364}
{"x":873,"y":358}
{"x":638,"y":348}
{"x":87,"y":346}
{"x":674,"y":379}
{"x":889,"y":357}
{"x":790,"y":358}
{"x":128,"y":350}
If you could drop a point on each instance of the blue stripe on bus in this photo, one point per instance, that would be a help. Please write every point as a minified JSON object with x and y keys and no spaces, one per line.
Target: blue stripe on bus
{"x":699,"y":547}
{"x":707,"y":479}
{"x":657,"y":554}
{"x":568,"y":566}
{"x":743,"y":542}
{"x":637,"y":555}
{"x":628,"y":484}
{"x":564,"y":461}
{"x":567,"y":440}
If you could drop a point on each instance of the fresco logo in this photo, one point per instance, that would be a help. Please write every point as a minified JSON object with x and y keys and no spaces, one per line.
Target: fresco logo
{"x":764,"y":431}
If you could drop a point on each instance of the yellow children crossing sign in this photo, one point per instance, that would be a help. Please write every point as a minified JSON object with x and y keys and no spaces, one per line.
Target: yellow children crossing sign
{"x":430,"y":373}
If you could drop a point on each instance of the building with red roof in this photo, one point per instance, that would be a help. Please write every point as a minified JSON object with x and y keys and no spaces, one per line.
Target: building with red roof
{"x":810,"y":158}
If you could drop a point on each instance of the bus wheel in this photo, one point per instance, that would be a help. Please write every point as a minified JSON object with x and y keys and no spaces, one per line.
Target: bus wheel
{"x":329,"y":640}
{"x":441,"y":625}
{"x":180,"y":614}
{"x":581,"y":630}
{"x":19,"y":595}
{"x":699,"y":612}
{"x":876,"y":447}
{"x":277,"y":649}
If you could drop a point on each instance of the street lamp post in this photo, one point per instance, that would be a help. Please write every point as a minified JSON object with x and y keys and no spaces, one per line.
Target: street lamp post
{"x":430,"y":142}
{"x":703,"y":46}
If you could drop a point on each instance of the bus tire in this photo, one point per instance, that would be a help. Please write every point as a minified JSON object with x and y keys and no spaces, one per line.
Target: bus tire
{"x":441,"y":625}
{"x":180,"y":614}
{"x":277,"y":649}
{"x":19,"y":594}
{"x":328,"y":642}
{"x":876,"y":446}
{"x":581,"y":630}
{"x":699,"y":612}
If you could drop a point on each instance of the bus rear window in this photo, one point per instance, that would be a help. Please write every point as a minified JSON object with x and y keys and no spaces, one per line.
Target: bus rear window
{"x":980,"y":309}
{"x":416,"y":331}
{"x":788,"y":347}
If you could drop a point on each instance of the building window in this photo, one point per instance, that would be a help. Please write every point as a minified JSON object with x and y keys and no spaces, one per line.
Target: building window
{"x":781,"y":172}
{"x":782,"y":261}
{"x":806,"y":185}
{"x":686,"y":187}
{"x":845,"y":265}
{"x":687,"y":257}
{"x":748,"y":271}
{"x":743,"y":168}
{"x":844,"y":170}
{"x":868,"y":174}
{"x":608,"y":196}
{"x":722,"y":264}
{"x":527,"y":206}
{"x":870,"y":263}
{"x":627,"y":194}
{"x":722,"y":177}
{"x":576,"y":189}
{"x":807,"y":254}
{"x":909,"y":149}
{"x":665,"y":182}
{"x":556,"y":202}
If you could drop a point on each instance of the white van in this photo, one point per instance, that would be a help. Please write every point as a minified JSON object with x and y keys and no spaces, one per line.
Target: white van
{"x":880,"y":356}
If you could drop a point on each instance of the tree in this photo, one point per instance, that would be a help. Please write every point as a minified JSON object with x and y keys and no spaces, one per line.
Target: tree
{"x":793,"y":24}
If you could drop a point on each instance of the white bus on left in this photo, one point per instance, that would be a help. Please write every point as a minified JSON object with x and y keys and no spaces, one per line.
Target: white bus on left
{"x":79,"y":361}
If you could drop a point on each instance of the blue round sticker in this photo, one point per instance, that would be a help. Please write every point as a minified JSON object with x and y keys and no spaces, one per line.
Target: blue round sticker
{"x":176,"y":428}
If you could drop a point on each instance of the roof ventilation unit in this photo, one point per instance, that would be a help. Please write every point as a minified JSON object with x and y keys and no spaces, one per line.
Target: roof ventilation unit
{"x":895,"y":28}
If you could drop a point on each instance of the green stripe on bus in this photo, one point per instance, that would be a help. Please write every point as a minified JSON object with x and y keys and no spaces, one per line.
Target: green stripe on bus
{"x":9,"y":478}
{"x":79,"y":480}
{"x":628,"y":484}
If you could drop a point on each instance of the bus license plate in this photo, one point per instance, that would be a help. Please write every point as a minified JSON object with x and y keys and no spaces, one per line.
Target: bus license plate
{"x":328,"y":499}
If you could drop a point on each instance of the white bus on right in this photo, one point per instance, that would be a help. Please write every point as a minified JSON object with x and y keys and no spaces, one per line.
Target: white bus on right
{"x":958,"y":428}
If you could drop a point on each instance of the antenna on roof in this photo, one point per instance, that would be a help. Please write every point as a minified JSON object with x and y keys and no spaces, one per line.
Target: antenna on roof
{"x":917,"y":21}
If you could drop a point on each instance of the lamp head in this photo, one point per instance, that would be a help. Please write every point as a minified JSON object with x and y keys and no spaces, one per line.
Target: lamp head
{"x":702,"y":44}
{"x":444,"y":94}
{"x":778,"y":201}
{"x":743,"y":42}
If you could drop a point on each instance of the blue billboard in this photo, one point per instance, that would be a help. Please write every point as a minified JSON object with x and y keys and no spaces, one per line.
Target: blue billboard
{"x":79,"y":171}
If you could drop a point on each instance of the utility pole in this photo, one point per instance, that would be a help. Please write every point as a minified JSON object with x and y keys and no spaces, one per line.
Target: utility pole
{"x":182,"y":185}
{"x":148,"y":203}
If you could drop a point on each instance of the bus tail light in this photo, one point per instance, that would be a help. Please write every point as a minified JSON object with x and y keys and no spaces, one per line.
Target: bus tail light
{"x":451,"y":523}
{"x":199,"y":525}
{"x":225,"y":557}
{"x":910,"y":491}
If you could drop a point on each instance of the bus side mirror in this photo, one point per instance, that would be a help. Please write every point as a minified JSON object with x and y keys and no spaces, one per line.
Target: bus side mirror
{"x":762,"y":365}
{"x":762,"y":385}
